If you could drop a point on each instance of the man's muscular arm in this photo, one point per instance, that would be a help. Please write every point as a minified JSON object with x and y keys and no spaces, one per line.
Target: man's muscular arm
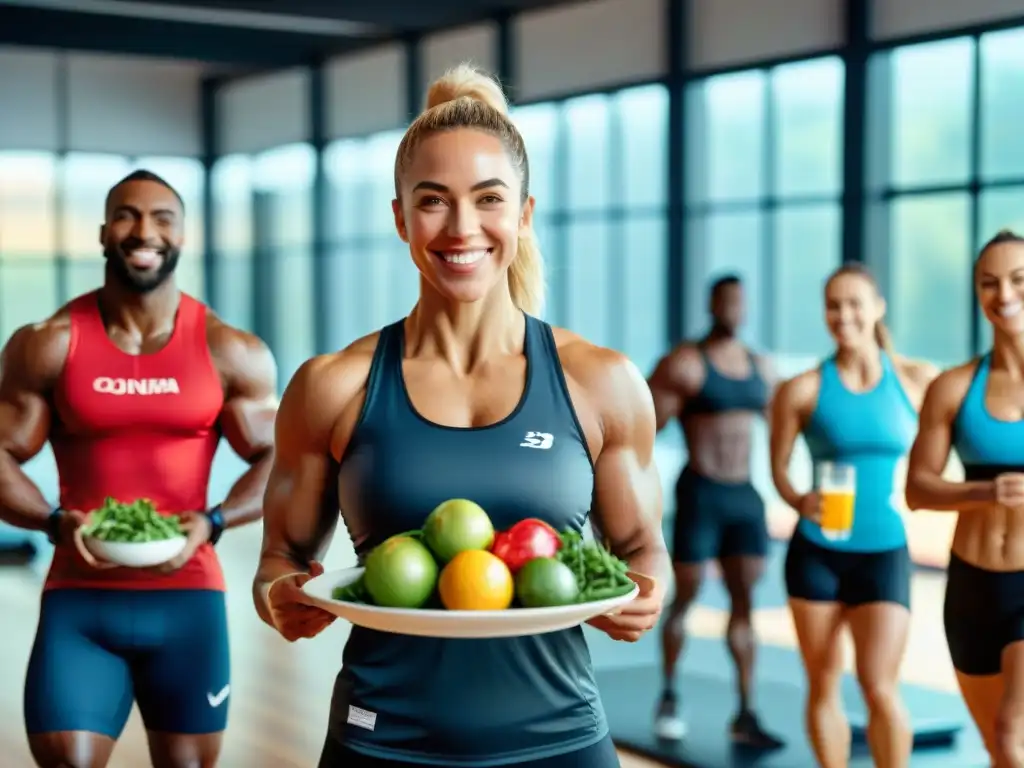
{"x":675,"y":378}
{"x":249,"y":373}
{"x":29,"y":365}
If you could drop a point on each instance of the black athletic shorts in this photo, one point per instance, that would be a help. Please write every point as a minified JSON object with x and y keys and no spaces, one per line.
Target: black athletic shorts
{"x":826,"y":575}
{"x":983,"y":613}
{"x":599,"y":755}
{"x":717,"y":520}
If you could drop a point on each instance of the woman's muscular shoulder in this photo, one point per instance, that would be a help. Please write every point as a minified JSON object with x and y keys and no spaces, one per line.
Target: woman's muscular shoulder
{"x":613,"y":392}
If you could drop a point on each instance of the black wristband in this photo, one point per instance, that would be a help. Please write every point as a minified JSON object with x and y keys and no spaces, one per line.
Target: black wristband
{"x":216,"y":518}
{"x":53,"y":525}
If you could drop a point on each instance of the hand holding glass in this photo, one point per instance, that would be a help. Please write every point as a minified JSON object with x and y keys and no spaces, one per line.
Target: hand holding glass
{"x":837,"y":488}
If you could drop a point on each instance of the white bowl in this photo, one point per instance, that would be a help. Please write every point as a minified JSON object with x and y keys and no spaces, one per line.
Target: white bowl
{"x":514,"y":622}
{"x":142,"y":554}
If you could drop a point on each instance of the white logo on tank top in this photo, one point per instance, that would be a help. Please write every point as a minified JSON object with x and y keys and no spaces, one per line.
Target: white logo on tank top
{"x":107,"y":386}
{"x":540,"y":440}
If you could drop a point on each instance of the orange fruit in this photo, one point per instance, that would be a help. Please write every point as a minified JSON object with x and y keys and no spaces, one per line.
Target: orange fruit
{"x":475,"y":580}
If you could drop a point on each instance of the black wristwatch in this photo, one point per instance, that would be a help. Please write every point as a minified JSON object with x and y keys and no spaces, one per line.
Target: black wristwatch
{"x":53,"y":525}
{"x":216,"y":518}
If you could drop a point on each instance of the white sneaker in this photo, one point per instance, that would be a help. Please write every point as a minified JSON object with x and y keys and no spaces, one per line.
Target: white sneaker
{"x":670,"y":727}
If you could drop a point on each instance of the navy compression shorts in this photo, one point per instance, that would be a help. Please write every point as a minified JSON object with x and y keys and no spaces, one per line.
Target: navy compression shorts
{"x":716,"y":520}
{"x":98,"y":650}
{"x":983,"y":613}
{"x":823,"y":575}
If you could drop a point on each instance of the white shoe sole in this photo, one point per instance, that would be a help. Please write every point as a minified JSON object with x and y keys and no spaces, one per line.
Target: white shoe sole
{"x":670,"y":728}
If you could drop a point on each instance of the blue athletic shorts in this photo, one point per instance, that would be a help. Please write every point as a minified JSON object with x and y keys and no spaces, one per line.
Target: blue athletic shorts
{"x":98,"y":650}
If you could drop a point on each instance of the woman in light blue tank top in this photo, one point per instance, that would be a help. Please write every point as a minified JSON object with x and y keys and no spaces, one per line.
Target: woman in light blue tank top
{"x":857,"y":412}
{"x":470,"y":396}
{"x":977,"y":409}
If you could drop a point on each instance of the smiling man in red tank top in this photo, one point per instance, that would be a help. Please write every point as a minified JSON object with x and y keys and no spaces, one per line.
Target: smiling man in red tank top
{"x":133,"y":385}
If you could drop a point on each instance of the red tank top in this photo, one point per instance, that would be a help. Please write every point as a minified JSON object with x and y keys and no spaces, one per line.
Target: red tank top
{"x":136,"y":426}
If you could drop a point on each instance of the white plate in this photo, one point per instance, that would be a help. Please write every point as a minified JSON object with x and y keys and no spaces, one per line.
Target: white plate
{"x":514,"y":622}
{"x":142,"y":554}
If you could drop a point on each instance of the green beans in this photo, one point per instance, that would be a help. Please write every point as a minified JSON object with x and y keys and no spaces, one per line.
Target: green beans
{"x":134,"y":523}
{"x":600,"y":575}
{"x":352,"y":593}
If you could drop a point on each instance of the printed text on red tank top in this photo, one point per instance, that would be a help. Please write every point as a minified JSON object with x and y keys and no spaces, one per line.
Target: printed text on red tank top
{"x":118,"y":387}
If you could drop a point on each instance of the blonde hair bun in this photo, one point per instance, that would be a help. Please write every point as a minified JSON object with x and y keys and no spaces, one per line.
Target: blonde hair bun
{"x":469,"y":82}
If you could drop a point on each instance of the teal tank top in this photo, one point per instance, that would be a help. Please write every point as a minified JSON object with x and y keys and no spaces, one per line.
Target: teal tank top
{"x":871,"y":431}
{"x":459,"y":702}
{"x":987,"y":446}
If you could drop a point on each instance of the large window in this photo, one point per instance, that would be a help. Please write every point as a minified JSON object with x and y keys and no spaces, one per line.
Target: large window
{"x":369,"y":268}
{"x":86,"y":178}
{"x":598,"y":166}
{"x":283,"y":182}
{"x":1002,"y":106}
{"x":949,"y":128}
{"x":28,"y":234}
{"x":539,"y":126}
{"x":1001,"y":151}
{"x":233,"y":282}
{"x":763,"y":188}
{"x":946,"y":172}
{"x":764,"y":181}
{"x":264,"y":275}
{"x":591,"y":307}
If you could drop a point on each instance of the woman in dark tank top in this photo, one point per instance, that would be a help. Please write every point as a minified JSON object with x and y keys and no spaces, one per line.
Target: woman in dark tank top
{"x":469,"y":396}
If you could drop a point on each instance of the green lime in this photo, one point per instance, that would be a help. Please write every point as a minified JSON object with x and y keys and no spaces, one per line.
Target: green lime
{"x":400,"y":573}
{"x":455,"y":526}
{"x":545,"y":582}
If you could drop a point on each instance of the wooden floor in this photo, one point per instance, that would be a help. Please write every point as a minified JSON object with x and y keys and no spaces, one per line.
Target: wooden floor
{"x":280,"y":691}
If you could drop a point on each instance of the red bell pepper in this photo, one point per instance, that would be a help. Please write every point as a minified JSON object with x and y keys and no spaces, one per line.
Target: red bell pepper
{"x":525,"y":541}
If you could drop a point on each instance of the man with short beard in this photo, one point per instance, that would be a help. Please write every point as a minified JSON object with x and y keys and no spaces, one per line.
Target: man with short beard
{"x":133,"y":386}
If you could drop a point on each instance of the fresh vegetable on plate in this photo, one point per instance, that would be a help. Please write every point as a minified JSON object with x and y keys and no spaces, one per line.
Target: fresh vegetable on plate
{"x":457,"y":525}
{"x":545,"y":582}
{"x":525,"y":541}
{"x":135,"y":522}
{"x":458,"y":562}
{"x":400,"y":573}
{"x":600,"y":575}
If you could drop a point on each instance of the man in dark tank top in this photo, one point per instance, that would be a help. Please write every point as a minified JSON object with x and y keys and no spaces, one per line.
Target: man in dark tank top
{"x":716,"y":388}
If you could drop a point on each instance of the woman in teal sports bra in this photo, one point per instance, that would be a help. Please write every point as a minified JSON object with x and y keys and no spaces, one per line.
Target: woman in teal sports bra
{"x":857,"y":409}
{"x":977,"y":409}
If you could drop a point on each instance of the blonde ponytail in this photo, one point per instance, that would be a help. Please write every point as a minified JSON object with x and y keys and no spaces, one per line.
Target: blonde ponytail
{"x":526,"y":275}
{"x":467,"y":97}
{"x":883,"y":338}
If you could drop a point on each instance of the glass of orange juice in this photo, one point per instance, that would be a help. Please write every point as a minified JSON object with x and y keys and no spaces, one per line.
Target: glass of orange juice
{"x":837,"y":488}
